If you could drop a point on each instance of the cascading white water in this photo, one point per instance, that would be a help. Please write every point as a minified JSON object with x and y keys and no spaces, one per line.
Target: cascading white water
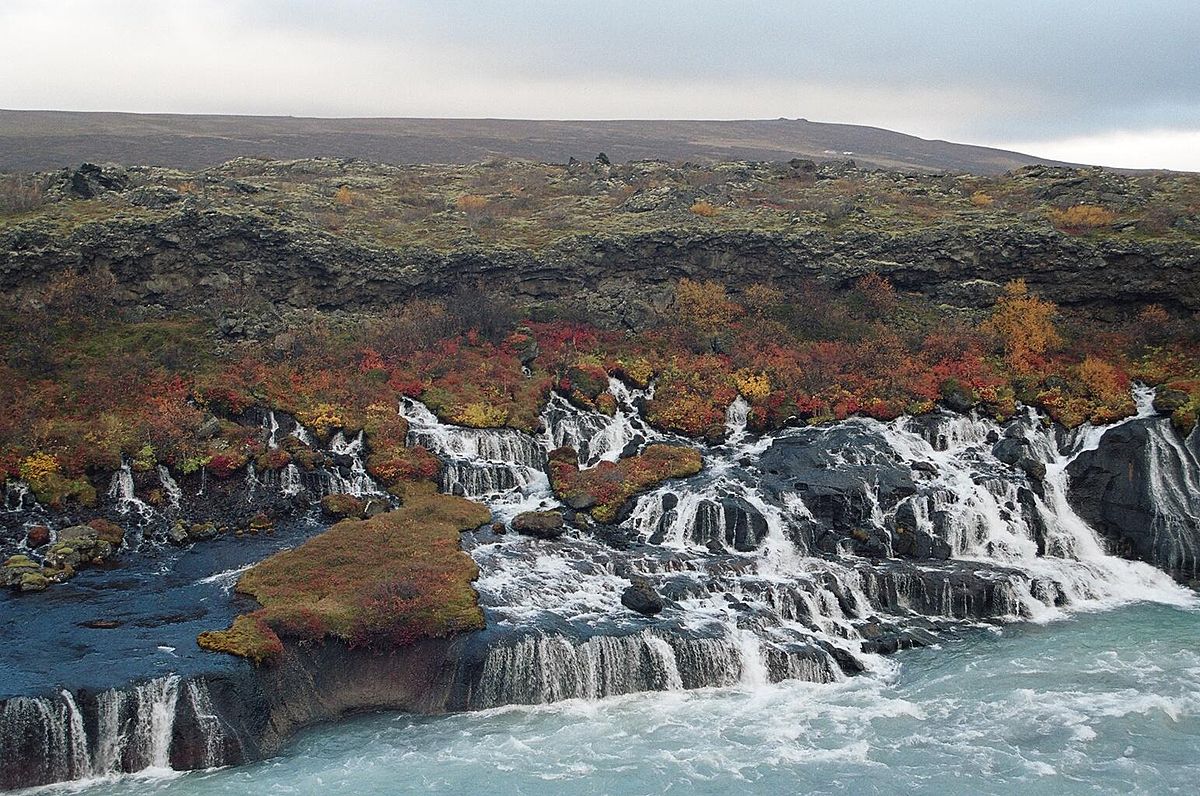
{"x":156,"y":702}
{"x":736,"y":417}
{"x":594,"y":436}
{"x":16,"y":496}
{"x":505,"y":465}
{"x":735,"y":560}
{"x":290,"y":482}
{"x":134,"y":730}
{"x":121,"y":492}
{"x":359,"y":482}
{"x":271,"y":428}
{"x":170,"y":487}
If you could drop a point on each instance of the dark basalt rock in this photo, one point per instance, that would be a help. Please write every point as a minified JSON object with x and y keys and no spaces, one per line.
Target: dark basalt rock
{"x":183,"y":256}
{"x":836,"y":492}
{"x":539,"y":524}
{"x":640,"y":596}
{"x":1141,"y":489}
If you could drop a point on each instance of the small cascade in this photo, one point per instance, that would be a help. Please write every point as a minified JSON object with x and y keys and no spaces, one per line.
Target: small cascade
{"x":290,"y":482}
{"x":352,"y":479}
{"x":271,"y":429}
{"x":301,"y":433}
{"x":17,"y":496}
{"x":594,"y":436}
{"x":170,"y":487}
{"x":548,"y":667}
{"x":253,"y":485}
{"x":480,"y":462}
{"x":120,"y":731}
{"x":736,"y":417}
{"x":122,"y":494}
{"x":1174,"y":482}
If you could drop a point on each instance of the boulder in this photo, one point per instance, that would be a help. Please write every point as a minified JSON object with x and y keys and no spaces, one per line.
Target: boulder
{"x":37,"y":536}
{"x":1018,"y":452}
{"x":108,"y":531}
{"x":261,"y":522}
{"x":16,"y":568}
{"x":177,"y":534}
{"x":539,"y":524}
{"x":640,"y":596}
{"x":33,"y":581}
{"x":201,"y":531}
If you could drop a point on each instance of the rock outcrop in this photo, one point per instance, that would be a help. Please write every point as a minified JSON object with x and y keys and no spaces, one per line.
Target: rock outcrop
{"x":184,"y":257}
{"x":1141,"y":489}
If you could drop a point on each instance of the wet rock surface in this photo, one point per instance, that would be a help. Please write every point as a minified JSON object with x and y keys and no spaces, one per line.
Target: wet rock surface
{"x":1140,"y":488}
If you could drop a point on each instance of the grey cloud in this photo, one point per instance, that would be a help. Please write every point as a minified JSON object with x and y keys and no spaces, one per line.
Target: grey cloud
{"x":1024,"y":68}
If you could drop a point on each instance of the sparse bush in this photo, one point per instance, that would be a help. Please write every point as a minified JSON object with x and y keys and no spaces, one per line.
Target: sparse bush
{"x":981,"y":199}
{"x":471,"y":204}
{"x":761,"y":299}
{"x":704,"y":306}
{"x":21,"y":193}
{"x":703,"y":209}
{"x":344,"y":197}
{"x":1081,"y":218}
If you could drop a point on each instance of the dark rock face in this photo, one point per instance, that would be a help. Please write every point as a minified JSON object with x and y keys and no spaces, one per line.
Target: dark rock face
{"x":843,"y":482}
{"x":1141,"y":489}
{"x":539,"y":524}
{"x":640,"y":596}
{"x":185,"y":257}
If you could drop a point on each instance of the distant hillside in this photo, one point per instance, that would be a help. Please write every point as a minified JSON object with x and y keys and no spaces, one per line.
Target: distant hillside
{"x":42,"y":140}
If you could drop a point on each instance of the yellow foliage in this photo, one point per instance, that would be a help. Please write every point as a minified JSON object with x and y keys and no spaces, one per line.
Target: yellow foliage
{"x":322,"y":419}
{"x":1103,"y":380}
{"x":753,"y":386}
{"x":481,"y":415}
{"x":704,"y":209}
{"x":705,"y":305}
{"x":344,"y":197}
{"x":981,"y":199}
{"x":37,"y":467}
{"x":1023,"y":325}
{"x":1082,"y":218}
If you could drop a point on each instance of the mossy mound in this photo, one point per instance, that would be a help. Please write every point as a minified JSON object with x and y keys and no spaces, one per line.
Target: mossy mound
{"x":381,"y":582}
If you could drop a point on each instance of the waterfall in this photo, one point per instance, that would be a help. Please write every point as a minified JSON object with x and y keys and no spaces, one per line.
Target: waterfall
{"x":736,"y":417}
{"x":121,"y":492}
{"x":17,"y":496}
{"x":358,"y":482}
{"x":132,"y":730}
{"x":290,"y":483}
{"x":504,"y":465}
{"x":156,"y":702}
{"x":750,"y":555}
{"x":170,"y":487}
{"x":594,"y":436}
{"x":271,"y":428}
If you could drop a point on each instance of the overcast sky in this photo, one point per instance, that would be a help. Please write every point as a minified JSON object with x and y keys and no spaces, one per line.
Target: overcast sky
{"x":1096,"y":81}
